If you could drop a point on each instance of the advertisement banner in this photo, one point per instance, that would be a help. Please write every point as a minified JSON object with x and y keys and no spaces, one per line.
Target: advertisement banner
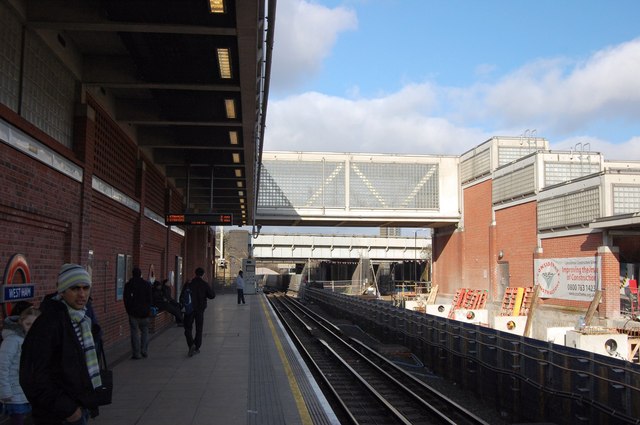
{"x":567,"y":278}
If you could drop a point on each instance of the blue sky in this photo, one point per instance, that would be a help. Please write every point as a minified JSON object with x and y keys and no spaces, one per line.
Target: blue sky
{"x":443,"y":76}
{"x":440,"y":77}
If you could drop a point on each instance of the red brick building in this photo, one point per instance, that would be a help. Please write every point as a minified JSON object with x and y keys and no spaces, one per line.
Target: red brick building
{"x":524,"y":206}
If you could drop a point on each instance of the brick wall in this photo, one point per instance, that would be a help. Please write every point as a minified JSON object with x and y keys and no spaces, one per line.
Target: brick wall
{"x":115,"y":155}
{"x":153,"y":248}
{"x":610,"y":273}
{"x":52,"y":219}
{"x":120,"y":230}
{"x":477,"y":216}
{"x":112,"y":227}
{"x":572,"y":246}
{"x":38,"y":216}
{"x":447,"y":270}
{"x":155,"y":190}
{"x":199,"y":239}
{"x":516,"y":237}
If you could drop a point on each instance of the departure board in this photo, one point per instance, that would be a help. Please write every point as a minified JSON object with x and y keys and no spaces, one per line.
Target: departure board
{"x":199,"y":219}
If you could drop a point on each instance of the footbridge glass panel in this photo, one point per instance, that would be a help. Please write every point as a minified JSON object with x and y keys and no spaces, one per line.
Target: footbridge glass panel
{"x":337,"y":189}
{"x":392,"y":185}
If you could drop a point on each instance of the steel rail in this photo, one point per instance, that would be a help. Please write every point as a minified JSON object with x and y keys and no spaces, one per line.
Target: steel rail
{"x":385,"y":380}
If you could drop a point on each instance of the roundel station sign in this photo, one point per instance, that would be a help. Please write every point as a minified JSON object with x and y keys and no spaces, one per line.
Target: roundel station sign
{"x":16,"y":283}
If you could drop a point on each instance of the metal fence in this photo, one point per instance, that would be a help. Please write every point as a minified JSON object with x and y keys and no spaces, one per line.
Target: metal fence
{"x":524,"y":378}
{"x":347,"y":287}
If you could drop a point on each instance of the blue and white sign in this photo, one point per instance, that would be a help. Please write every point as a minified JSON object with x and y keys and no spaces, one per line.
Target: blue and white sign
{"x":13,"y":293}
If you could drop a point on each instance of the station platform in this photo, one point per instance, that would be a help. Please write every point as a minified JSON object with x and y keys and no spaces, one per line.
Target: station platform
{"x":248,"y":372}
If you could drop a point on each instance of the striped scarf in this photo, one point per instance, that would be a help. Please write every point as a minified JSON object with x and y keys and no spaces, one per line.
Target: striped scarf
{"x":82,"y":325}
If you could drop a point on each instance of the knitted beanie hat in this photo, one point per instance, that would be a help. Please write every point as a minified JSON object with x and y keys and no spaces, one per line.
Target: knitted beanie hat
{"x":72,"y":275}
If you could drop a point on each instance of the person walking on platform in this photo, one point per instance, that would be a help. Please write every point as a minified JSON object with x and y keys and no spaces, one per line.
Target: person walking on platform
{"x":193,"y":298}
{"x":59,"y":367}
{"x":137,"y":302}
{"x":240,"y":287}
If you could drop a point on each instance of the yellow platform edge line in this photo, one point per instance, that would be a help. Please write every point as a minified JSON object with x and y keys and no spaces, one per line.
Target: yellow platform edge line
{"x":293,"y":383}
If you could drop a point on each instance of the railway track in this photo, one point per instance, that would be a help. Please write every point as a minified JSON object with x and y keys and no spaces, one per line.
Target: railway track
{"x":363,"y":386}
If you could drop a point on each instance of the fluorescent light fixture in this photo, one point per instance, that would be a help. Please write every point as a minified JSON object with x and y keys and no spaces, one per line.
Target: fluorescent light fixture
{"x":230,"y":107}
{"x":239,"y":183}
{"x":242,"y":201}
{"x":242,"y":206}
{"x":238,"y":172}
{"x":216,"y":6}
{"x":241,"y":193}
{"x":236,"y":158}
{"x":233,"y":137}
{"x":224,"y":62}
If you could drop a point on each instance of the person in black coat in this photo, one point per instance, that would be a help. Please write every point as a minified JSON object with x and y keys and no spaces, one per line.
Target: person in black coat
{"x":137,"y":302}
{"x":199,"y":291}
{"x":59,"y":370}
{"x":163,"y":300}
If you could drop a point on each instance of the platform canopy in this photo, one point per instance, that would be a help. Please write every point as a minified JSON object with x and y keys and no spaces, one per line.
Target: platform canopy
{"x":188,"y":78}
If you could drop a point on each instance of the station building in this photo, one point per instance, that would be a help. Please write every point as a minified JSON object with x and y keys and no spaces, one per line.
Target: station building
{"x":88,"y":166}
{"x":565,"y":220}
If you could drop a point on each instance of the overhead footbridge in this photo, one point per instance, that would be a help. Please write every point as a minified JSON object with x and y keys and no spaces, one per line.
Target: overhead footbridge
{"x":358,"y":190}
{"x":354,"y":247}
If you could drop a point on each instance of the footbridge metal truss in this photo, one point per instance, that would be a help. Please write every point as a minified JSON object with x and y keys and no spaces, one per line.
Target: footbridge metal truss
{"x":358,"y":190}
{"x":323,"y":247}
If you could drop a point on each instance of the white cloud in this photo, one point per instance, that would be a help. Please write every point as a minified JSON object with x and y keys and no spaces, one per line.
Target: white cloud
{"x":304,"y":36}
{"x":402,"y":122}
{"x":557,"y":96}
{"x":629,"y":150}
{"x":546,"y":93}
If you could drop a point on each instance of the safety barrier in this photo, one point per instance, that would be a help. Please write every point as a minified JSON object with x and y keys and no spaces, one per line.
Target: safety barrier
{"x":524,"y":378}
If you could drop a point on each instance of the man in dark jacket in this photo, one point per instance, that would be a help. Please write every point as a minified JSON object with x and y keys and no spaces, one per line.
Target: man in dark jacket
{"x":137,"y":302}
{"x":59,"y":369}
{"x":199,"y":291}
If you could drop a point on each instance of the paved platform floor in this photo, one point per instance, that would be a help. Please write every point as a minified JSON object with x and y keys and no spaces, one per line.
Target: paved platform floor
{"x":248,"y":372}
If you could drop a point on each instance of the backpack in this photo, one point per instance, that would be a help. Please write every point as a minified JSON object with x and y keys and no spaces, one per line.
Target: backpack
{"x":186,"y":300}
